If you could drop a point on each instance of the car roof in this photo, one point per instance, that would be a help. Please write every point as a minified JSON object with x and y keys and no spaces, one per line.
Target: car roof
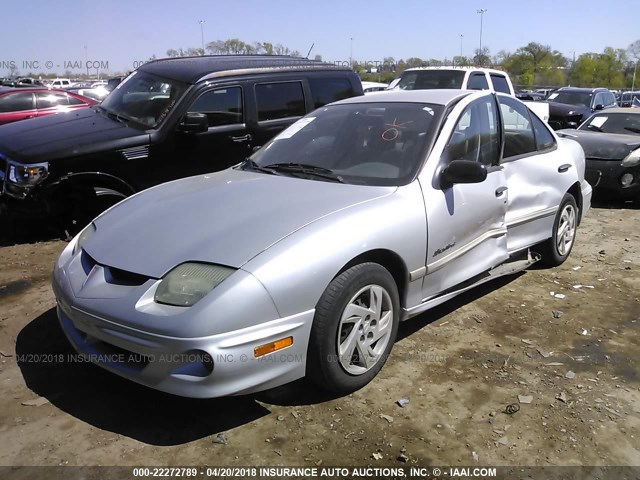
{"x":607,"y":111}
{"x":454,"y":67}
{"x":193,"y":69}
{"x":438,"y":97}
{"x":34,"y":89}
{"x":582,"y":89}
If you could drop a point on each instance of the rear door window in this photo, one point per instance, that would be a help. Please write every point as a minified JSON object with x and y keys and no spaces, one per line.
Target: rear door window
{"x":327,"y":90}
{"x":500,"y":83}
{"x":279,"y":100}
{"x":518,"y":131}
{"x":477,"y":81}
{"x":50,"y":100}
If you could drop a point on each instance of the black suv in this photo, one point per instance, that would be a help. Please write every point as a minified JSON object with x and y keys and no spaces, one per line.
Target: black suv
{"x":570,"y":106}
{"x":169,"y":119}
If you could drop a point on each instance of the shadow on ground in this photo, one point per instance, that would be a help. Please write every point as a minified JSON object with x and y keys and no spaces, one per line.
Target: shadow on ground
{"x":52,"y":370}
{"x":106,"y":401}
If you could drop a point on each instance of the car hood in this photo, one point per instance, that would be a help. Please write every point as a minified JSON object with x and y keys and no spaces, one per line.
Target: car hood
{"x":563,"y":109}
{"x":70,"y":134}
{"x":227,"y":218}
{"x":603,"y":146}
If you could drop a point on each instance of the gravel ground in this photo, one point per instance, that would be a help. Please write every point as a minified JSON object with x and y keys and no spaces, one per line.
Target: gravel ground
{"x":569,"y":366}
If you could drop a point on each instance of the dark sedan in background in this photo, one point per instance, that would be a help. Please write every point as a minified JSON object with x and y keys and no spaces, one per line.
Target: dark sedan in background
{"x":611,"y":143}
{"x":24,"y":103}
{"x":570,"y":106}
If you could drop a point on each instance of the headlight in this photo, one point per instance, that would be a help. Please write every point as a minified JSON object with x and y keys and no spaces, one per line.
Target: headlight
{"x":188,"y":283}
{"x":28,"y":175}
{"x":632,"y":159}
{"x":82,"y":237}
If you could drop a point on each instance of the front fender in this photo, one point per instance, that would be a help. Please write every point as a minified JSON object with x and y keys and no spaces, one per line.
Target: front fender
{"x":88,"y":179}
{"x":296,"y":270}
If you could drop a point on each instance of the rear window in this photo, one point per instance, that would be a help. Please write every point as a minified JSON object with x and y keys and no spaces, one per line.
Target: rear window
{"x":327,"y":90}
{"x":431,"y":79}
{"x":279,"y":100}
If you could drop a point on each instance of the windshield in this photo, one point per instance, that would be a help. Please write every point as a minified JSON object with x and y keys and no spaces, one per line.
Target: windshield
{"x":144,"y":98}
{"x":627,"y":123}
{"x":363,"y":143}
{"x":430,"y":79}
{"x":571,"y":98}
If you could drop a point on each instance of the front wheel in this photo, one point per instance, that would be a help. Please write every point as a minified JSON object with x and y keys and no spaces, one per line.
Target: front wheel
{"x":354,"y":328}
{"x":557,"y":249}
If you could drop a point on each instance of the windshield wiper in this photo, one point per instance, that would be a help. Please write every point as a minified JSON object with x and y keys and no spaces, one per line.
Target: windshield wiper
{"x":312,"y":170}
{"x":113,"y":115}
{"x":254,"y":166}
{"x":633,"y":129}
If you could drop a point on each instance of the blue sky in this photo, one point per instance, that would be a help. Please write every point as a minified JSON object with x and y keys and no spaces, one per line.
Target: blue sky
{"x":122,"y":32}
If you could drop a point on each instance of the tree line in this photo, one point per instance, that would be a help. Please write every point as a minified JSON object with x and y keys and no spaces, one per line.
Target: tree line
{"x":534,"y":64}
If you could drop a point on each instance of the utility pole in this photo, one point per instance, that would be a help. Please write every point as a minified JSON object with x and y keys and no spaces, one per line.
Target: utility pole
{"x":202,"y":22}
{"x":351,"y":54}
{"x":481,"y":11}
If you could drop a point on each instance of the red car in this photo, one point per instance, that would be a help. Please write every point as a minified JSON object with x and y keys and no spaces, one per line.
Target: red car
{"x":22,"y":103}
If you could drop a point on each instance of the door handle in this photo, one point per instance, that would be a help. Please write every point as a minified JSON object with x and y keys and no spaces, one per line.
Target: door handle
{"x":244,"y":138}
{"x":564,"y":168}
{"x":500,"y":191}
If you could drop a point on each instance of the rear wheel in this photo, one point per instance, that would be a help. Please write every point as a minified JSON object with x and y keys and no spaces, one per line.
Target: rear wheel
{"x":354,"y":328}
{"x":557,"y":249}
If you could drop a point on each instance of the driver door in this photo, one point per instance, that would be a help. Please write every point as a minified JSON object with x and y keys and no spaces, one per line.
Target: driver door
{"x":467,"y":234}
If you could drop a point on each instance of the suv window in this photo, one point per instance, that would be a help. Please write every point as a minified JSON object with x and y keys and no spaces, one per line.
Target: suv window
{"x":500,"y":83}
{"x":599,"y":99}
{"x":16,"y":102}
{"x":518,"y":131}
{"x":327,"y":90}
{"x":279,"y":100}
{"x":544,"y":139}
{"x":475,"y":136}
{"x":49,"y":100}
{"x":477,"y":81}
{"x":222,"y":106}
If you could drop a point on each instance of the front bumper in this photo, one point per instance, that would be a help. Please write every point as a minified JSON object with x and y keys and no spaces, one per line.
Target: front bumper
{"x":204,"y":366}
{"x":604,"y":176}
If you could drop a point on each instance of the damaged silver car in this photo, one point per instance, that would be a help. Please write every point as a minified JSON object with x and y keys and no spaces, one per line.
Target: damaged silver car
{"x":303,"y":259}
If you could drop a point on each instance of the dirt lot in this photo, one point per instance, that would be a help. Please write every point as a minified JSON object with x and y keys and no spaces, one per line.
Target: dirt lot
{"x":574,"y":362}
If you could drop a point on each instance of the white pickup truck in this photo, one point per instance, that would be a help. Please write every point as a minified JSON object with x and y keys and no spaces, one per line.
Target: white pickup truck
{"x":465,"y":78}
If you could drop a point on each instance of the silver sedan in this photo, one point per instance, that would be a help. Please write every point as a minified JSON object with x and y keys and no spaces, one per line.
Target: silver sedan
{"x":303,"y":259}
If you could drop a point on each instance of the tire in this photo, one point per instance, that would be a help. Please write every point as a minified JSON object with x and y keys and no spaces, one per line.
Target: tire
{"x":338,"y":359}
{"x":82,"y":204}
{"x":557,"y":248}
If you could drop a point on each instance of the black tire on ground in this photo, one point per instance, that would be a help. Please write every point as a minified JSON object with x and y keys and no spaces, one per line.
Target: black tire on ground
{"x":556,"y":249}
{"x":359,"y":312}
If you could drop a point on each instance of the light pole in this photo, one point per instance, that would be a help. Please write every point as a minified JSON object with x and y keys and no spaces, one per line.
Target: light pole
{"x":86,"y":61}
{"x":481,"y":11}
{"x":351,"y":54}
{"x":461,"y":35}
{"x":202,"y":34}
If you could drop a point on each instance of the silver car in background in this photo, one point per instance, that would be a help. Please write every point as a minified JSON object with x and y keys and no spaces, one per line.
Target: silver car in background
{"x":303,"y":259}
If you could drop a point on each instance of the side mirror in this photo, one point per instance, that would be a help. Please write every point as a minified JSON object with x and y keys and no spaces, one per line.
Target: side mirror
{"x":599,"y":107}
{"x":463,"y":171}
{"x":194,"y":122}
